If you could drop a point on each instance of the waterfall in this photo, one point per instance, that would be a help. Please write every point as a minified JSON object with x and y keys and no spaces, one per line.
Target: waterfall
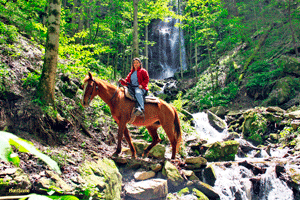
{"x":164,"y":56}
{"x":205,"y":130}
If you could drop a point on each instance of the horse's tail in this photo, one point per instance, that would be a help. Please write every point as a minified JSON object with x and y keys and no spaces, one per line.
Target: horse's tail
{"x":177,"y":130}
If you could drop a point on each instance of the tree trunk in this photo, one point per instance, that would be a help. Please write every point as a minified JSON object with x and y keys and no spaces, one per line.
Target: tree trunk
{"x":180,"y":47}
{"x":146,"y":49}
{"x":46,"y":88}
{"x":135,"y":29}
{"x":292,"y":30}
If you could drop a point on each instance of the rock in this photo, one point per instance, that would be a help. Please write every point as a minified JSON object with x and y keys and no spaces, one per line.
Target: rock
{"x":254,"y":126}
{"x":216,"y":121}
{"x":58,"y":183}
{"x":156,"y":167}
{"x":294,"y":114}
{"x":172,"y":173}
{"x":190,"y":175}
{"x":158,"y":151}
{"x":256,"y":170}
{"x":220,"y":111}
{"x":14,"y":180}
{"x":143,"y":175}
{"x":290,"y":65}
{"x":200,"y":195}
{"x":195,"y":162}
{"x":275,"y":109}
{"x":283,"y":91}
{"x":295,"y":124}
{"x":209,"y":175}
{"x":102,"y":178}
{"x":222,"y":151}
{"x":206,"y":189}
{"x":149,"y":189}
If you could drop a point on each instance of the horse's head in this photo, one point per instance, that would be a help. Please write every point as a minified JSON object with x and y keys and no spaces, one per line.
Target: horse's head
{"x":90,"y":88}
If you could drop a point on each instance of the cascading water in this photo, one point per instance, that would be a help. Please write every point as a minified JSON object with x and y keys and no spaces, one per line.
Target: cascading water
{"x":164,"y":56}
{"x":236,"y":182}
{"x":205,"y":130}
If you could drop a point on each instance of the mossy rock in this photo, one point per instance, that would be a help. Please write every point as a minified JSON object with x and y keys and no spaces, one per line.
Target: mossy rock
{"x":290,"y":65}
{"x":254,"y":126}
{"x":102,"y":179}
{"x":222,"y":151}
{"x":283,"y":91}
{"x":172,"y":173}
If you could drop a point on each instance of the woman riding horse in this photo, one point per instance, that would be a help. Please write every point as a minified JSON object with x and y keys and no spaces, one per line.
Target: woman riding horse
{"x":156,"y":115}
{"x":138,"y":78}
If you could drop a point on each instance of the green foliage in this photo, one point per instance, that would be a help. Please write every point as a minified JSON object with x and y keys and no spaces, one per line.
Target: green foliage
{"x":261,"y":77}
{"x":44,"y":197}
{"x":32,"y":80}
{"x":179,"y":102}
{"x":6,"y":152}
{"x":205,"y":96}
{"x":8,"y":33}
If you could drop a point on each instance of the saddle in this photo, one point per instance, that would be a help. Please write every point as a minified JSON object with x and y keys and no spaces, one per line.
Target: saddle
{"x":148,"y":99}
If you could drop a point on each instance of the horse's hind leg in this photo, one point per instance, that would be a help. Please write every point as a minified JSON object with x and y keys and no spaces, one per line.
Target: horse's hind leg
{"x":155,"y":138}
{"x":169,"y":129}
{"x":129,"y":141}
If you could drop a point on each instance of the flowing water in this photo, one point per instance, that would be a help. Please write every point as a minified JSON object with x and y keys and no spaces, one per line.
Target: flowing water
{"x":238,"y":182}
{"x":164,"y":56}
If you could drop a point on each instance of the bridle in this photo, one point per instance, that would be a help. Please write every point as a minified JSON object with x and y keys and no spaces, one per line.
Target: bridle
{"x":89,"y":99}
{"x":95,"y":84}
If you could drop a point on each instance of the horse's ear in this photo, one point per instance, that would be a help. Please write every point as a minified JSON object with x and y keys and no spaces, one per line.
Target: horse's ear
{"x":90,"y":76}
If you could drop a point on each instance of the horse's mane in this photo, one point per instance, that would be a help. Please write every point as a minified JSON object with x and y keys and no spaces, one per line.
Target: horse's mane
{"x":98,"y":80}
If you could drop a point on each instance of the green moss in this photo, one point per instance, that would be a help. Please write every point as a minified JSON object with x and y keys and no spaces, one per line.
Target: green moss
{"x":224,"y":151}
{"x":200,"y":195}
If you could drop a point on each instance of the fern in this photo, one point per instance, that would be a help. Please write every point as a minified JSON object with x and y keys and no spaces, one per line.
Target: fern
{"x":7,"y":140}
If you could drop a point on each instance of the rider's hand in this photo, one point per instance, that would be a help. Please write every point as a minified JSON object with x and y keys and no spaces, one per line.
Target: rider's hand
{"x":141,"y":87}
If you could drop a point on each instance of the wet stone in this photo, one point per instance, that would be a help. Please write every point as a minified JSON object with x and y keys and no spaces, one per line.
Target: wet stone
{"x":149,"y":189}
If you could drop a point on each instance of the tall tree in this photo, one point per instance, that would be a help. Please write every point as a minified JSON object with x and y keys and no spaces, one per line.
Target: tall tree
{"x":135,"y":29}
{"x":47,"y":80}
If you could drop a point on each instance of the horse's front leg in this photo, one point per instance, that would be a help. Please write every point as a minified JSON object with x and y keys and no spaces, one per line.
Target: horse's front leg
{"x":121,"y":130}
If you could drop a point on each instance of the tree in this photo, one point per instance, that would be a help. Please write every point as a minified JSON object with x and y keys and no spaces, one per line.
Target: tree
{"x":47,"y":81}
{"x":135,"y":29}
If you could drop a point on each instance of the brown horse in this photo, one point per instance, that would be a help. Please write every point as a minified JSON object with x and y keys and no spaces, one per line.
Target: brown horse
{"x":156,"y":115}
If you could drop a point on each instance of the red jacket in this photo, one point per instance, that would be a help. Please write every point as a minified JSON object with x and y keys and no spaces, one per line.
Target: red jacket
{"x":143,"y":78}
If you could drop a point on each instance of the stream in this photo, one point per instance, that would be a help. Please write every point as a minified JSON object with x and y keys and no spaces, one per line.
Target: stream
{"x":240,"y":183}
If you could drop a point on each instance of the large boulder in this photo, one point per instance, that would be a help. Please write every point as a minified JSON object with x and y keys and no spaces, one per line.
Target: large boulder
{"x":221,"y":151}
{"x":149,"y":189}
{"x":13,"y":181}
{"x":254,"y":126}
{"x":158,"y":151}
{"x":207,"y":190}
{"x":51,"y":181}
{"x":102,"y":179}
{"x":290,"y":65}
{"x":283,"y":91}
{"x":172,"y":173}
{"x":216,"y":121}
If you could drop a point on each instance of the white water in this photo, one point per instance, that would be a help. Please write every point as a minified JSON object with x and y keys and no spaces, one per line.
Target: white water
{"x":233,"y":182}
{"x":166,"y":53}
{"x":205,"y":130}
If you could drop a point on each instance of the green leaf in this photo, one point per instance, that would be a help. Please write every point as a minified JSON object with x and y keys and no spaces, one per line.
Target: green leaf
{"x":8,"y":139}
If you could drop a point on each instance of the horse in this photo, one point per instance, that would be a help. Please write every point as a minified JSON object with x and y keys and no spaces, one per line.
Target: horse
{"x":155,"y":115}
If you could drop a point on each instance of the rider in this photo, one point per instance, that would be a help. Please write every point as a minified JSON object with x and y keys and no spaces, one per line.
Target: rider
{"x":138,"y":78}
